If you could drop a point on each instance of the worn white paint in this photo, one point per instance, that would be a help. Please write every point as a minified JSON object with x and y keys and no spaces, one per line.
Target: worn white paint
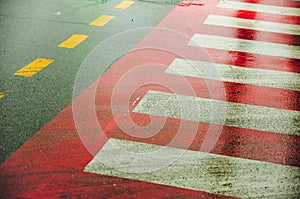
{"x":259,"y":8}
{"x":243,"y":45}
{"x":234,"y":22}
{"x":198,"y":171}
{"x":236,"y":74}
{"x":206,"y":110}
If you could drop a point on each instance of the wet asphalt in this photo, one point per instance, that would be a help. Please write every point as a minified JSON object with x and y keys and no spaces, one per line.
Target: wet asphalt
{"x":33,"y":29}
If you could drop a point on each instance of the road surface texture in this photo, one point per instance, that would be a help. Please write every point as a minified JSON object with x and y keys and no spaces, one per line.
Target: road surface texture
{"x":150,"y":99}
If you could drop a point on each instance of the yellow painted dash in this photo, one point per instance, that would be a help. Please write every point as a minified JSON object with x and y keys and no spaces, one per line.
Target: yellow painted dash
{"x":73,"y":41}
{"x":1,"y":95}
{"x":34,"y":67}
{"x":124,"y":5}
{"x":102,"y":20}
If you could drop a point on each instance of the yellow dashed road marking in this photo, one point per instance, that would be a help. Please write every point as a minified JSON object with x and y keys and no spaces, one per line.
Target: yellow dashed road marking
{"x":102,"y":20}
{"x":1,"y":95}
{"x":73,"y":41}
{"x":124,"y":5}
{"x":34,"y":67}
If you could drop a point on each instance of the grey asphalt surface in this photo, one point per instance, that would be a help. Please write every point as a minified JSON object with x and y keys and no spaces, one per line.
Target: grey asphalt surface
{"x":33,"y":29}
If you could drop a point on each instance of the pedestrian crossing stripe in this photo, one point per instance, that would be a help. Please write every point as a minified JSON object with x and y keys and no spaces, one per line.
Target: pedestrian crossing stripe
{"x":236,"y":115}
{"x":233,"y":22}
{"x":243,"y":45}
{"x":73,"y":41}
{"x":259,"y":8}
{"x":34,"y":67}
{"x":236,"y":74}
{"x":102,"y":20}
{"x":196,"y":170}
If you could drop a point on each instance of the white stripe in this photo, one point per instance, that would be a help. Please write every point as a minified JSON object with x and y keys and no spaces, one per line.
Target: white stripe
{"x":206,"y":110}
{"x":243,"y":45}
{"x":212,"y":173}
{"x":229,"y":73}
{"x":259,"y":8}
{"x":253,"y":24}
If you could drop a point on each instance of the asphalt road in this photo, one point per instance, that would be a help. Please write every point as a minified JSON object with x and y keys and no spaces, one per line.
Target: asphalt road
{"x":33,"y":29}
{"x":205,"y":105}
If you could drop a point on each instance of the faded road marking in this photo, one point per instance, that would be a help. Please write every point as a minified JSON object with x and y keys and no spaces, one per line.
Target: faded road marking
{"x":237,"y":115}
{"x":102,"y":20}
{"x":236,"y":74}
{"x":124,"y":5}
{"x":259,"y":8}
{"x":34,"y":67}
{"x":253,"y":24}
{"x":243,"y":45}
{"x":73,"y":41}
{"x":212,"y":173}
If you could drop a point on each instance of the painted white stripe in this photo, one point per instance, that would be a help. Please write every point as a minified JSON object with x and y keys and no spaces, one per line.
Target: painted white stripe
{"x":229,"y":73}
{"x":253,"y":24}
{"x":206,"y":110}
{"x":259,"y":8}
{"x":243,"y":45}
{"x":198,"y":171}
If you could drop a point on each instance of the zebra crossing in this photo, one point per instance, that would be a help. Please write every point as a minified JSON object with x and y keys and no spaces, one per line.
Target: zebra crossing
{"x":253,"y":24}
{"x":238,"y":115}
{"x":217,"y":173}
{"x":205,"y":106}
{"x":239,"y":177}
{"x":237,"y":74}
{"x":247,"y":46}
{"x":256,"y":7}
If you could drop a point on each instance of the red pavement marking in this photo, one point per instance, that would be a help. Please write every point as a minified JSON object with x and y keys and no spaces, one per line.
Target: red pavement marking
{"x":244,"y":143}
{"x":51,"y":163}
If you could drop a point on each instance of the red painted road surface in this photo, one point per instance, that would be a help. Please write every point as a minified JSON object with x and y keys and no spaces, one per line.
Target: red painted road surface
{"x":51,"y":164}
